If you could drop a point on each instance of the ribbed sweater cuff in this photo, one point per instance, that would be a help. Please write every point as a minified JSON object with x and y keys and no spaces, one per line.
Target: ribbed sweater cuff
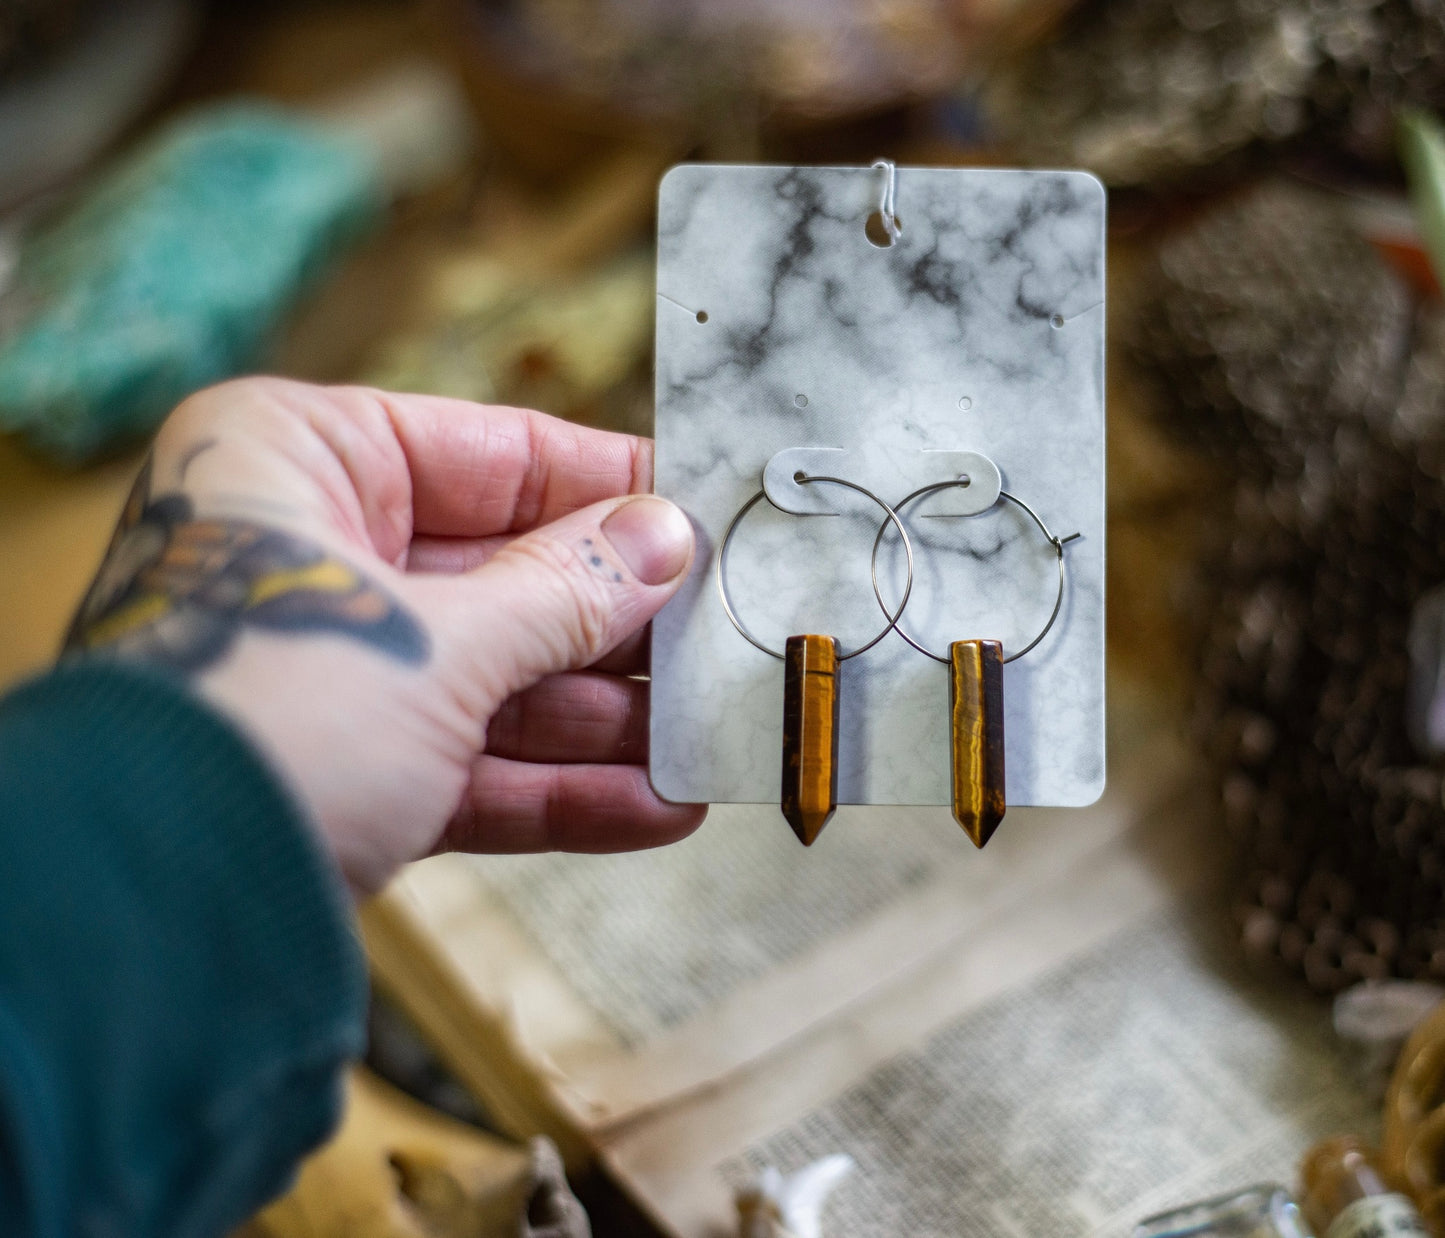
{"x":177,"y":954}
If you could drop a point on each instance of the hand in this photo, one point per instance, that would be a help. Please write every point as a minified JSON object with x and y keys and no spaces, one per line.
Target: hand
{"x":426,"y":613}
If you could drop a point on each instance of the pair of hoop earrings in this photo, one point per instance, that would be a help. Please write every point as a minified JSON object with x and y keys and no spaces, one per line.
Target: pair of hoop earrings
{"x":811,"y":665}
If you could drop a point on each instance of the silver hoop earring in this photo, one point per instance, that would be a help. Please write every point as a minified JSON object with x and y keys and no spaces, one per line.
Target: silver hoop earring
{"x":810,"y":683}
{"x":975,"y":691}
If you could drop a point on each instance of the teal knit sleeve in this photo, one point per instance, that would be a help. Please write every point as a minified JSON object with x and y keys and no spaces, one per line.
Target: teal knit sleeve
{"x":180,"y":986}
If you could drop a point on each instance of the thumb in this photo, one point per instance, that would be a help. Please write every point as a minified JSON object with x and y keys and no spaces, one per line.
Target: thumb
{"x":563,"y":595}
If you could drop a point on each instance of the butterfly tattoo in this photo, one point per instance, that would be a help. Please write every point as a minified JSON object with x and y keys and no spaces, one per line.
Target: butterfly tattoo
{"x":178,"y":590}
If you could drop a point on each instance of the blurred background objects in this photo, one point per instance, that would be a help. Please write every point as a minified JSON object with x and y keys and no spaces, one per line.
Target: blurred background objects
{"x":456,"y":196}
{"x":1147,"y":93}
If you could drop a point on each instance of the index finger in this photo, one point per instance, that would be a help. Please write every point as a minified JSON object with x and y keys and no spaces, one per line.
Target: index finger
{"x":479,"y":469}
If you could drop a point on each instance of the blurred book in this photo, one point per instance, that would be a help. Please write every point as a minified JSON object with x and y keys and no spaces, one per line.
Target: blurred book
{"x":1053,"y":1035}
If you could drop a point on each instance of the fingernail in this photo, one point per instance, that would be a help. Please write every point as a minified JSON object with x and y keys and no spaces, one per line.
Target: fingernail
{"x":652,"y":537}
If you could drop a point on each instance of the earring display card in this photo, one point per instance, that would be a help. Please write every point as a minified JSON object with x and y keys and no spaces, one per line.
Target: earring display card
{"x":783,"y":324}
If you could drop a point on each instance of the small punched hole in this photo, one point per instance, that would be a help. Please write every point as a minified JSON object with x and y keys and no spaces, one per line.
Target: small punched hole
{"x":800,"y":477}
{"x":800,"y":400}
{"x":965,"y":481}
{"x":876,"y":233}
{"x":1056,"y":321}
{"x":702,"y":315}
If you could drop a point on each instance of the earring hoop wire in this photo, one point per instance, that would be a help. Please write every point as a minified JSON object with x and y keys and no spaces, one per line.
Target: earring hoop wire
{"x":893,"y":518}
{"x":1058,"y":543}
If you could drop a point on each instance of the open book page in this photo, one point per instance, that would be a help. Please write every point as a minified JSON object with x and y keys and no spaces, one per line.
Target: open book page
{"x":1145,"y":1074}
{"x":1084,"y":1062}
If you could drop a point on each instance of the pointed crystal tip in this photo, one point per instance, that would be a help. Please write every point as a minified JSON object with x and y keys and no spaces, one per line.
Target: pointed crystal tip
{"x":979,"y":826}
{"x":807,"y":825}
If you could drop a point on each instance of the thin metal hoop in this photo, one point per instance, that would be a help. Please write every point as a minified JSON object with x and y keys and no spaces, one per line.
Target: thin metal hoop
{"x":1058,"y":544}
{"x":893,"y":518}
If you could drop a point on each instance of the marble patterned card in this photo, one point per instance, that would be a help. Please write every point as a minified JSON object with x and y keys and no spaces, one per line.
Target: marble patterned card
{"x":781,"y":324}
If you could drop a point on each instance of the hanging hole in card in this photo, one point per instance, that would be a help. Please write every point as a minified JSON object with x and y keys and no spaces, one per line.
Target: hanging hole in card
{"x":877,"y":231}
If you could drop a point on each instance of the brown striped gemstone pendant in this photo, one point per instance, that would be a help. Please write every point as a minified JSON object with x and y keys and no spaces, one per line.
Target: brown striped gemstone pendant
{"x":810,"y":734}
{"x":975,"y":704}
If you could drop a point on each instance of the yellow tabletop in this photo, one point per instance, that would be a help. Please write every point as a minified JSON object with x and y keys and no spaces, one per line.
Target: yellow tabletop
{"x":54,"y":523}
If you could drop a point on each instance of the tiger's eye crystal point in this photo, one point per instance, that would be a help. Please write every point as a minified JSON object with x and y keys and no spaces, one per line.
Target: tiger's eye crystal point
{"x":810,"y":734}
{"x":975,"y":706}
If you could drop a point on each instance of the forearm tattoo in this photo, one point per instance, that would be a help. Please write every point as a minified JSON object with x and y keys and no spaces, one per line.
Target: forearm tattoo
{"x":178,"y":590}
